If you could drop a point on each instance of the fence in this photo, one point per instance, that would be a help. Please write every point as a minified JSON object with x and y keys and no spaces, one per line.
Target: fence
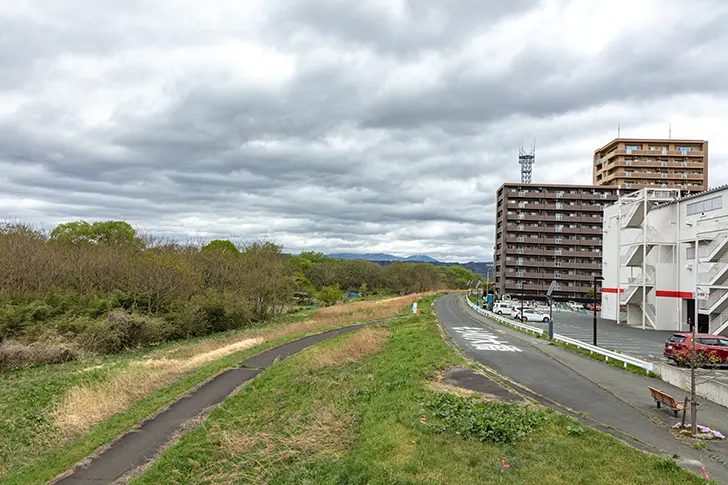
{"x":608,"y":354}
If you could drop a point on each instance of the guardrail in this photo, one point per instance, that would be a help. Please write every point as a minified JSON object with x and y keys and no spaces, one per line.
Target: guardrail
{"x":608,"y":354}
{"x":486,"y":313}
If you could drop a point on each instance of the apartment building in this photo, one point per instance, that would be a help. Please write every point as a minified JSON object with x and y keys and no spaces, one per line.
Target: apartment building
{"x":653,"y":275}
{"x":636,"y":164}
{"x":546,"y":233}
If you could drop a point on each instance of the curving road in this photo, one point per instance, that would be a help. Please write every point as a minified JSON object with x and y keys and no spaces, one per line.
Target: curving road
{"x":518,"y":357}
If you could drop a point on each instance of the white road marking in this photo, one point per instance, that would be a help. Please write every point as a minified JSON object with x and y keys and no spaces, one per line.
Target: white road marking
{"x":483,"y":340}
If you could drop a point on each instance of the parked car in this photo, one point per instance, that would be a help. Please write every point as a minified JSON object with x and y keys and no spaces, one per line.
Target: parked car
{"x":712,"y":349}
{"x":503,"y":307}
{"x":590,"y":307}
{"x":529,"y":315}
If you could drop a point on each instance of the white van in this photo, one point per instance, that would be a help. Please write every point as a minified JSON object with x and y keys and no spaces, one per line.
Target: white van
{"x":503,"y":307}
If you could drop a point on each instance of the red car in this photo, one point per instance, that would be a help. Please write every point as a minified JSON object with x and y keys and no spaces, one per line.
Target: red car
{"x":711,"y":349}
{"x":590,"y":307}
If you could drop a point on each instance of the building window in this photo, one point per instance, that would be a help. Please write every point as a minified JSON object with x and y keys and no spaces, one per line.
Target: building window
{"x":684,"y":150}
{"x":663,"y":175}
{"x":558,"y":252}
{"x":713,"y":203}
{"x":629,"y":148}
{"x":521,"y":216}
{"x":629,"y":163}
{"x":559,"y":205}
{"x":519,"y":274}
{"x":558,"y":240}
{"x":559,"y":216}
{"x":664,"y":164}
{"x":559,"y":228}
{"x":628,"y":173}
{"x":521,"y":227}
{"x":690,"y":252}
{"x":521,"y":193}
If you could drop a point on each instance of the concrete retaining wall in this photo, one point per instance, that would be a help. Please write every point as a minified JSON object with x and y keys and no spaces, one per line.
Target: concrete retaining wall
{"x":711,"y":390}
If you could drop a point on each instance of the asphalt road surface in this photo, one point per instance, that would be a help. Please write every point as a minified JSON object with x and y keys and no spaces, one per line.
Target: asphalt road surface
{"x":517,"y":357}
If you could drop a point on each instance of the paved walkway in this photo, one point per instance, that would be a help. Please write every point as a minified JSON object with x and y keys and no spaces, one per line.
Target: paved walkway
{"x":140,"y":446}
{"x":614,"y":398}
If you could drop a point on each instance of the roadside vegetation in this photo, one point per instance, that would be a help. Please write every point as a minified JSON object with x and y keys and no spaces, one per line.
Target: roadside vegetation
{"x":53,"y":416}
{"x":361,"y":408}
{"x":103,"y":288}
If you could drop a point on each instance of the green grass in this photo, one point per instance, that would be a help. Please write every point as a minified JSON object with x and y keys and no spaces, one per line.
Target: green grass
{"x":31,"y":448}
{"x":274,"y":430}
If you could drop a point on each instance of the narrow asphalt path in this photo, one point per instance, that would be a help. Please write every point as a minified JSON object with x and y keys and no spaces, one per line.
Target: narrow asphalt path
{"x":140,"y":446}
{"x":518,"y":358}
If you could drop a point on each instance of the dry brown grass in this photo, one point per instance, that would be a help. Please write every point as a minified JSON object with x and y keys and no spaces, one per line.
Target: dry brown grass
{"x":84,"y":406}
{"x":364,"y":342}
{"x":326,"y":433}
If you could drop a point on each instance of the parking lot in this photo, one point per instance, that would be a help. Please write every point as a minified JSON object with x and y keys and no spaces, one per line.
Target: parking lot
{"x":647,"y":344}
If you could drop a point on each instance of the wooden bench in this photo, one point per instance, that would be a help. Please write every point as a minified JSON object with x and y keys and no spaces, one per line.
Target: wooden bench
{"x":661,"y":397}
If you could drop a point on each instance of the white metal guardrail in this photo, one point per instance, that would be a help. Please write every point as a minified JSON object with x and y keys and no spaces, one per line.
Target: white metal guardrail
{"x":608,"y":354}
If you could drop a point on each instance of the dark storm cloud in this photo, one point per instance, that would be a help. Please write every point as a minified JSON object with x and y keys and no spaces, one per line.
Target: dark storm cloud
{"x":335,"y":125}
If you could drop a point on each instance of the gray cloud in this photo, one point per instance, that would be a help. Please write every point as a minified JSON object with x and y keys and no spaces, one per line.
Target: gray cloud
{"x":337,"y":125}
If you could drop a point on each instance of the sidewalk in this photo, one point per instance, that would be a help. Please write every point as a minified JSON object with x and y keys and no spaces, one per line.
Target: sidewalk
{"x":632,"y":389}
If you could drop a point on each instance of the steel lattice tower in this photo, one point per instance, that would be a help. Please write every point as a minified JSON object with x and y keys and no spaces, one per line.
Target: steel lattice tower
{"x":526,"y":159}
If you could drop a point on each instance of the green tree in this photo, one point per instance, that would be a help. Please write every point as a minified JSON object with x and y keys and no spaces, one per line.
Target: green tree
{"x":329,"y":294}
{"x":75,"y":232}
{"x":221,"y":246}
{"x":101,"y":232}
{"x":589,"y":294}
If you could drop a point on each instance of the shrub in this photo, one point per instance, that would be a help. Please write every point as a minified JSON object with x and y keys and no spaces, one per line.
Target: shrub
{"x":96,"y":337}
{"x":496,"y":422}
{"x":15,"y":355}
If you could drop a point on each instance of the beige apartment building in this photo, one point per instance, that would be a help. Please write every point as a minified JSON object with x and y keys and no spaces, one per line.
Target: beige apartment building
{"x":548,"y":233}
{"x":634,"y":164}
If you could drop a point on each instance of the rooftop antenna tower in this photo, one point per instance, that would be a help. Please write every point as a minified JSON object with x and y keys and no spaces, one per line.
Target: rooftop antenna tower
{"x":527,"y":159}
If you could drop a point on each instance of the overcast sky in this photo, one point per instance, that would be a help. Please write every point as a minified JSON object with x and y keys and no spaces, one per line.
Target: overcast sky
{"x":332,"y":125}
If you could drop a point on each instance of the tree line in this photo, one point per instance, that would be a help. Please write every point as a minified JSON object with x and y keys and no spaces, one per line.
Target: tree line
{"x":104,"y":287}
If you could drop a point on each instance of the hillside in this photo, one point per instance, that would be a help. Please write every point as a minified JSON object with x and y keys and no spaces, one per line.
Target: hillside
{"x":419,"y":258}
{"x":481,"y":268}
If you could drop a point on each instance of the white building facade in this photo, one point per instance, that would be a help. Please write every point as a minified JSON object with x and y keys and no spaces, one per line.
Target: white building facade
{"x":652,"y":275}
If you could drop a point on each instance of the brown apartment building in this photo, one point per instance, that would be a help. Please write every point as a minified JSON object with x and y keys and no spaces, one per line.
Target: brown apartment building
{"x":639,"y":163}
{"x":546,"y":233}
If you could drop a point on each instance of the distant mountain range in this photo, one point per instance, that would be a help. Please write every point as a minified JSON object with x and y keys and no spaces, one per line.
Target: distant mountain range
{"x":482,"y":268}
{"x":418,"y":258}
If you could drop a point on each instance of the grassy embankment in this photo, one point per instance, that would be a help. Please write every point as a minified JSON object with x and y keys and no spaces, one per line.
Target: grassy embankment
{"x":52,"y":417}
{"x":348,"y":411}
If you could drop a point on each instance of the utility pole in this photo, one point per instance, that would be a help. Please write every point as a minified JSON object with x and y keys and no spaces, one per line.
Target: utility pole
{"x":693,"y":362}
{"x":594,"y":309}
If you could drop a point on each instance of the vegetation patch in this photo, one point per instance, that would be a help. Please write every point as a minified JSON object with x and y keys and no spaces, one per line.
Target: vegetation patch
{"x":495,"y":422}
{"x":366,"y":416}
{"x":364,"y":343}
{"x":47,"y":414}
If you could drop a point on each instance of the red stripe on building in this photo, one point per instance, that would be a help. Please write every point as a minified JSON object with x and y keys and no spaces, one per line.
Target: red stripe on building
{"x":674,"y":294}
{"x":612,"y":290}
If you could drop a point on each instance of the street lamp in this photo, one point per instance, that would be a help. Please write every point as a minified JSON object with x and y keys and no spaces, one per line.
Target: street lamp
{"x":594,"y":308}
